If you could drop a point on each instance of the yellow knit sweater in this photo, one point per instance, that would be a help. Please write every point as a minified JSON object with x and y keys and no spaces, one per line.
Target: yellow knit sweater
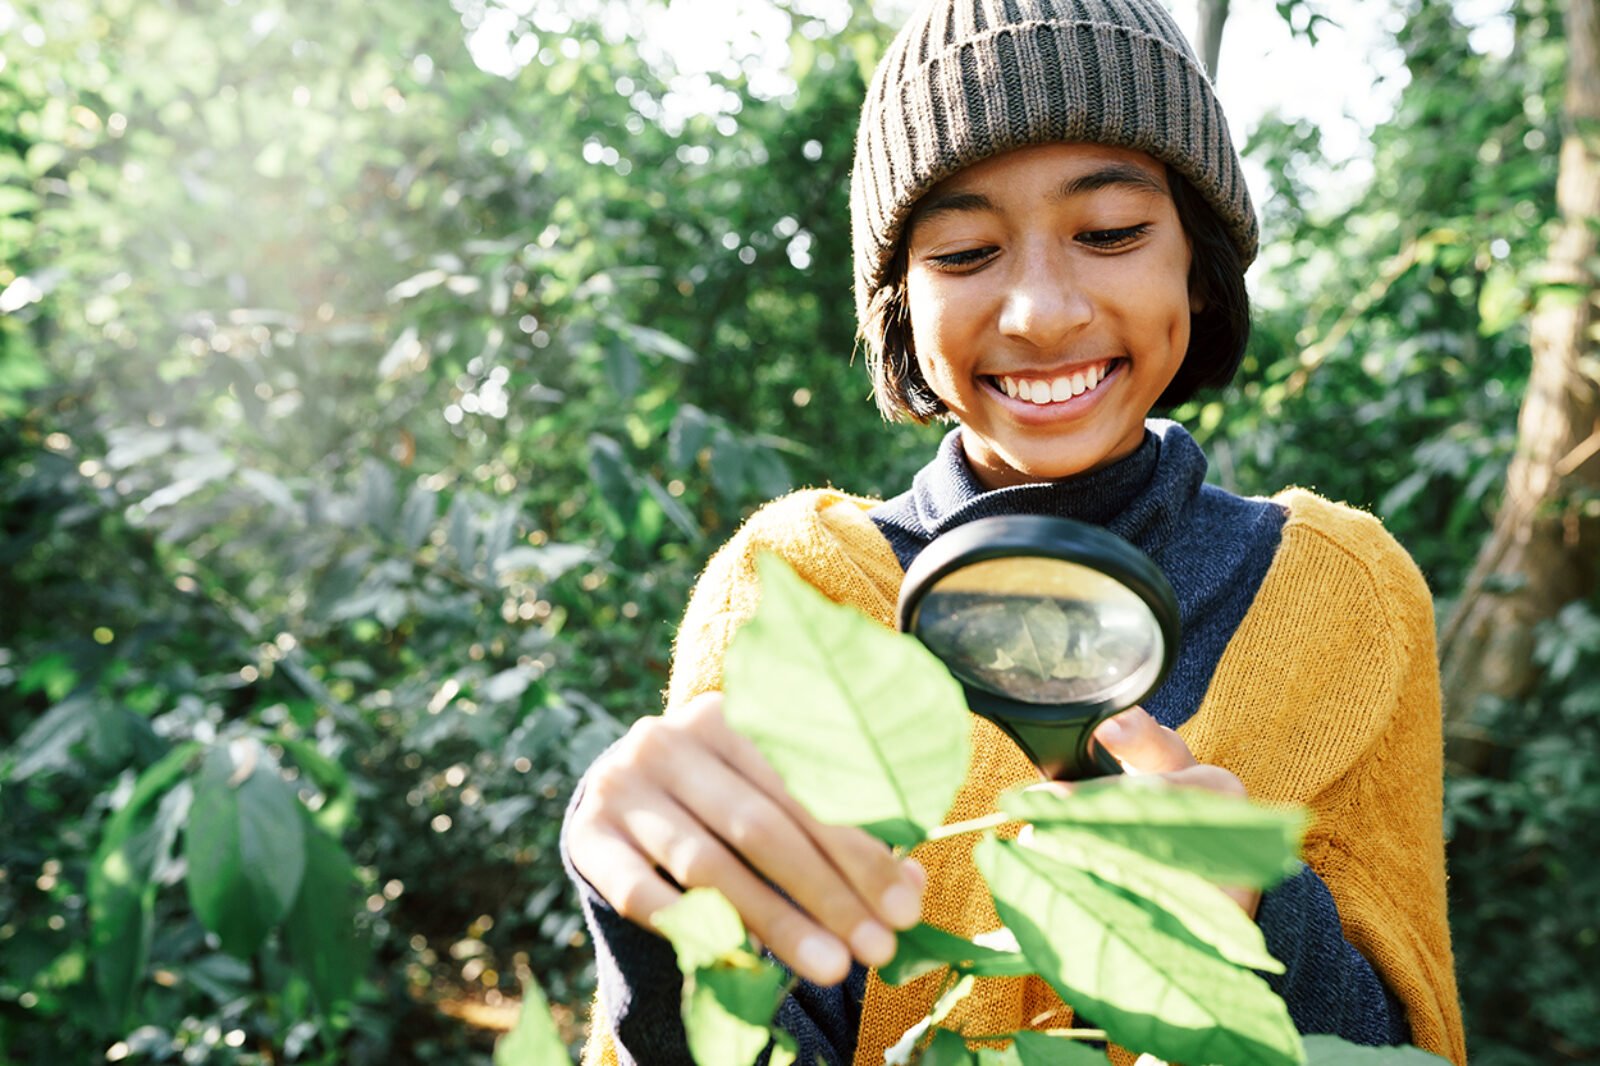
{"x":1326,"y":696}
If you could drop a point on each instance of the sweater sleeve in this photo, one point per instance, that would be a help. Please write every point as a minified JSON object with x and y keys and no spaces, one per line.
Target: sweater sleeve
{"x":1328,"y":697}
{"x":1328,"y":986}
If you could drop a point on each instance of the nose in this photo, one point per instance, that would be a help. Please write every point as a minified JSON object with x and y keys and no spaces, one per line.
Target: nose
{"x":1044,"y":302}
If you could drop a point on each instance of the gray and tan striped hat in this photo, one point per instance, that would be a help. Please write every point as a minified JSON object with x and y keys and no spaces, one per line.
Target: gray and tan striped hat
{"x":968,"y":79}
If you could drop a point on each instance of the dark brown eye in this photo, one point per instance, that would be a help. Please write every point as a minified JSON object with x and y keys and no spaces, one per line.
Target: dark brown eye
{"x":1113,"y":238}
{"x":964,"y":258}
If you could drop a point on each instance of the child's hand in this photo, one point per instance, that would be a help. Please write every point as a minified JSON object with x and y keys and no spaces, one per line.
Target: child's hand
{"x":1144,"y":746}
{"x":683,"y":801}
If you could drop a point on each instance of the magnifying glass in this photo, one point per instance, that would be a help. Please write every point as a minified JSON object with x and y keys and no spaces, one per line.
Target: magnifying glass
{"x":1051,"y":626}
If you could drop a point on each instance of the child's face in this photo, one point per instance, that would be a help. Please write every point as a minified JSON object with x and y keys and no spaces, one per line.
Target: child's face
{"x":1049,"y":298}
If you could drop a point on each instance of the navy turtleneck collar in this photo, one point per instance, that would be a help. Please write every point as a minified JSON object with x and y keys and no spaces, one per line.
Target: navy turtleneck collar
{"x":1212,"y":546}
{"x":1141,"y":497}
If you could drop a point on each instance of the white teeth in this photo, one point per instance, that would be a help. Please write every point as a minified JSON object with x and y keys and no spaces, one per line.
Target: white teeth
{"x":1065,"y":387}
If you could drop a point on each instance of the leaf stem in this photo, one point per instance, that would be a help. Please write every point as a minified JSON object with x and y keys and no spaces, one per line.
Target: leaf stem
{"x":1069,"y":1034}
{"x":971,"y":825}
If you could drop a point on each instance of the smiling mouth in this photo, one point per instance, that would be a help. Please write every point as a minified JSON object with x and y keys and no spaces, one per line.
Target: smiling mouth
{"x":1039,"y":390}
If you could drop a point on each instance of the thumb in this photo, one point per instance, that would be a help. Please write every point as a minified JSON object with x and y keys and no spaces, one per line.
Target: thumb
{"x":1143,"y":745}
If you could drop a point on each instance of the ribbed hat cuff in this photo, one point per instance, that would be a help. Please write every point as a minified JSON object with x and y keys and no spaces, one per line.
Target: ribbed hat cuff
{"x":962,"y":106}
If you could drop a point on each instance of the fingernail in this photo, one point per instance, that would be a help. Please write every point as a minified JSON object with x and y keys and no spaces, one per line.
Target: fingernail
{"x":1110,"y":731}
{"x":912,"y":871}
{"x":902,"y":906}
{"x":872,"y":943}
{"x":822,"y":957}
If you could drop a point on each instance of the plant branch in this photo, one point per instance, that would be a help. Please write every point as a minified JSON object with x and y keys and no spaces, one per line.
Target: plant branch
{"x":971,"y":825}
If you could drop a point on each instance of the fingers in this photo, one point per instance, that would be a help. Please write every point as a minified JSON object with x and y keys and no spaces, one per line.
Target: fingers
{"x":891,"y":888}
{"x":688,"y":796}
{"x":1143,"y":745}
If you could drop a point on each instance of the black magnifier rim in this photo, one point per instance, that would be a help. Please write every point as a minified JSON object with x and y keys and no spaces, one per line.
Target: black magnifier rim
{"x":1048,"y":537}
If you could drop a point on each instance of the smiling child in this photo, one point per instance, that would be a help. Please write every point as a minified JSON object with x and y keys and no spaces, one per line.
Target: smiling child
{"x":1051,"y":231}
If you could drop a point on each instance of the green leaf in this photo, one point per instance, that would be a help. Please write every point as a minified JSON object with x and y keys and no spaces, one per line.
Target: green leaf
{"x":655,"y":342}
{"x":1193,"y":907}
{"x":1224,"y":839}
{"x":730,"y":994}
{"x":1106,"y":956}
{"x":1041,"y":1049}
{"x":1332,"y":1051}
{"x":323,"y":940}
{"x":747,"y":987}
{"x":865,"y":726}
{"x":924,"y":948}
{"x":717,"y":1036}
{"x":947,"y":1048}
{"x":122,"y":889}
{"x":339,"y":800}
{"x":785,"y":1052}
{"x":534,"y":1042}
{"x":702,"y":926}
{"x":417,"y":516}
{"x":245,"y":846}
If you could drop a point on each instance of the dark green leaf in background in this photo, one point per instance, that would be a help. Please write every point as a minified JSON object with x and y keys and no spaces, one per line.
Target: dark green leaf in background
{"x":121,"y":887}
{"x":320,"y":930}
{"x":245,"y":845}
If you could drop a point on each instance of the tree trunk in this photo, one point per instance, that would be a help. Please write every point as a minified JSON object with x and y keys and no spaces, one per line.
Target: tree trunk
{"x":1208,"y":34}
{"x":1544,"y":551}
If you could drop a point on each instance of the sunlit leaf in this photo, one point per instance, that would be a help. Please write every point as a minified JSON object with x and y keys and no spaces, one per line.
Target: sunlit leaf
{"x":534,"y":1041}
{"x":924,"y":948}
{"x":702,"y":926}
{"x":947,"y":1048}
{"x":1040,"y":1049}
{"x":866,"y":727}
{"x":1108,"y":957}
{"x":1197,"y":908}
{"x":1225,"y":839}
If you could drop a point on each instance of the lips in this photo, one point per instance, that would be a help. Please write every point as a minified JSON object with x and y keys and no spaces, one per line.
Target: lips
{"x":1041,"y":389}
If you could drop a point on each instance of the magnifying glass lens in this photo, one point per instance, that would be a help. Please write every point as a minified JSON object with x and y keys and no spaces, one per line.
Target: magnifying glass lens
{"x":1041,"y":630}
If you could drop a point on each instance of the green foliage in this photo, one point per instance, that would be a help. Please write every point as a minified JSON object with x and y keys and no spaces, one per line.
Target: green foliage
{"x":870,"y":728}
{"x":1524,"y":887}
{"x":730,"y":993}
{"x":1113,"y":957}
{"x":244,"y":847}
{"x":1229,"y":843}
{"x":925,"y":948}
{"x":534,"y":1041}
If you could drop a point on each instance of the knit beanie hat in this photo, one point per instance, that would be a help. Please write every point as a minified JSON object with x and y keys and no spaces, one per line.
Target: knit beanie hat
{"x":968,"y":79}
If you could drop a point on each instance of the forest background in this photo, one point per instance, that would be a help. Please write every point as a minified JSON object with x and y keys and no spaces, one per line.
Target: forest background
{"x":365,"y":415}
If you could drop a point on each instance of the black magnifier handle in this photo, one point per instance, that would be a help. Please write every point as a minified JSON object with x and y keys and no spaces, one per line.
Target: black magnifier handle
{"x":1058,"y":741}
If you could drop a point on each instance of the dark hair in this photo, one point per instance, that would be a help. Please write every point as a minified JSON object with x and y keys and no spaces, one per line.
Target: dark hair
{"x":1217,"y":334}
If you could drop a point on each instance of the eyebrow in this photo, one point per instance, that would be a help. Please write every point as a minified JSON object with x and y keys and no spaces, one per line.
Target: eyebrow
{"x":1112,"y":175}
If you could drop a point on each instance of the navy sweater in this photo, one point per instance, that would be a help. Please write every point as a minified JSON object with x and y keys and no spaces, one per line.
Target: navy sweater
{"x":1214,"y":548}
